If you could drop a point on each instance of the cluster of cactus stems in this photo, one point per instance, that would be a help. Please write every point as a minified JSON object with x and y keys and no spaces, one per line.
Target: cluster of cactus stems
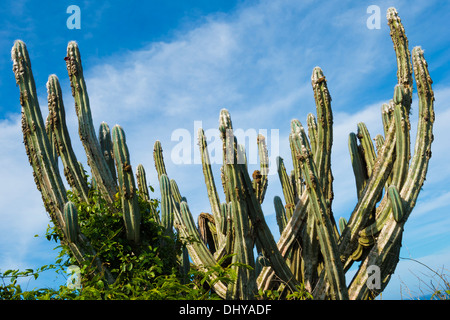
{"x":313,"y":249}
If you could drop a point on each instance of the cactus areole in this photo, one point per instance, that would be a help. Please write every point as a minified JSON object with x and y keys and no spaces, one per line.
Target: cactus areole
{"x":314,"y":250}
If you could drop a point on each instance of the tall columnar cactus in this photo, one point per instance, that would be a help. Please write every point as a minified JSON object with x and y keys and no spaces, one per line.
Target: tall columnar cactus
{"x":313,"y":248}
{"x":40,"y":156}
{"x":44,"y":144}
{"x":95,"y":158}
{"x":62,"y":143}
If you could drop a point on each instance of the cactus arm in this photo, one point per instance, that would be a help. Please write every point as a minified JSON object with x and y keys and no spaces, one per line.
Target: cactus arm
{"x":312,"y":132}
{"x":95,"y":158}
{"x":342,"y":224}
{"x":296,"y":174}
{"x":176,"y":191}
{"x":401,"y":160}
{"x":37,"y":145}
{"x":288,"y":191}
{"x":208,"y":231}
{"x":287,"y":238}
{"x":280,"y":212}
{"x":400,"y":41}
{"x":368,"y":150}
{"x":322,"y":155}
{"x":260,"y":229}
{"x":142,"y":182}
{"x":199,"y":253}
{"x":387,"y":110}
{"x":159,"y":159}
{"x":51,"y":139}
{"x":245,"y":285}
{"x":360,"y":215}
{"x":106,"y":145}
{"x":266,"y":240}
{"x":71,"y":221}
{"x":385,"y":252}
{"x":422,"y":149}
{"x":402,"y":124}
{"x":127,"y":187}
{"x":264,"y":167}
{"x":213,"y":196}
{"x":396,"y":203}
{"x":325,"y":229}
{"x":72,"y":169}
{"x":358,"y":164}
{"x":167,"y":215}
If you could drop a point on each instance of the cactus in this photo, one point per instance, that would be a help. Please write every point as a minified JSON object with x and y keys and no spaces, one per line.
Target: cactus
{"x":62,"y":143}
{"x":71,"y":221}
{"x":40,"y":156}
{"x":127,"y":186}
{"x":312,"y":249}
{"x":95,"y":158}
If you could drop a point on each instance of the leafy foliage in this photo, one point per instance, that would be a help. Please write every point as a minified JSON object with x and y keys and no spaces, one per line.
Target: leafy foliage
{"x":150,"y":270}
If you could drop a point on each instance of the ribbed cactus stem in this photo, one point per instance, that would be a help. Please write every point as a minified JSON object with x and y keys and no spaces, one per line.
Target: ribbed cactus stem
{"x":198,"y":251}
{"x":167,"y":215}
{"x":36,"y":141}
{"x":95,"y":158}
{"x":245,"y":286}
{"x":312,"y":132}
{"x":262,"y":232}
{"x":38,"y":149}
{"x":400,"y":41}
{"x":211,"y":189}
{"x":72,"y":170}
{"x":71,"y":221}
{"x":280,"y":213}
{"x":396,"y":203}
{"x":342,"y":224}
{"x":176,"y":191}
{"x":387,"y":111}
{"x":264,"y":168}
{"x":127,"y":187}
{"x":51,"y":139}
{"x":386,"y":253}
{"x":401,"y":118}
{"x":322,"y":155}
{"x":142,"y":182}
{"x":159,"y":159}
{"x":106,"y":145}
{"x":325,"y":228}
{"x":358,"y":164}
{"x":361,"y":214}
{"x":288,"y":191}
{"x":207,"y":230}
{"x":367,"y":147}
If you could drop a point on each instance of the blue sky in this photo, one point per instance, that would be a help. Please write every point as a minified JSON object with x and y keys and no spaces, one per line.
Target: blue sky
{"x":157,"y":67}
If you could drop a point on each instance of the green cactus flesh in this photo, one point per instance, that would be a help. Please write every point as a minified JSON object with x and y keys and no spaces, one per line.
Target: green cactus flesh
{"x":312,"y":248}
